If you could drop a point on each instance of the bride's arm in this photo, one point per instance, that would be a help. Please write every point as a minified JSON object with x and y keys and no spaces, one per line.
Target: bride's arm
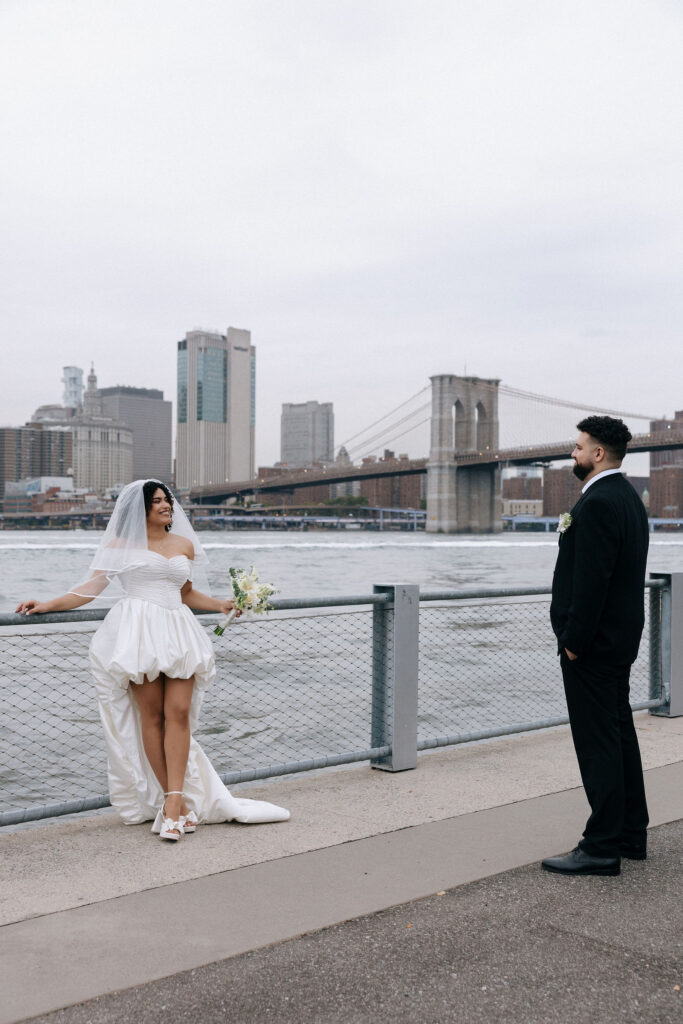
{"x":66,"y":602}
{"x":202,"y":602}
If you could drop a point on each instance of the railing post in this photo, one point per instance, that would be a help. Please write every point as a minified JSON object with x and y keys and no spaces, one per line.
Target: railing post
{"x":671,"y":649}
{"x":395,"y":638}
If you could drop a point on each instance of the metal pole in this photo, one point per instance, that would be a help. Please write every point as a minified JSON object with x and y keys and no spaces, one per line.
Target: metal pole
{"x":671,"y":645}
{"x":395,"y":637}
{"x":655,"y":652}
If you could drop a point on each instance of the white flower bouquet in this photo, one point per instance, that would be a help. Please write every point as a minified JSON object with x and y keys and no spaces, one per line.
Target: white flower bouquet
{"x":249,"y":595}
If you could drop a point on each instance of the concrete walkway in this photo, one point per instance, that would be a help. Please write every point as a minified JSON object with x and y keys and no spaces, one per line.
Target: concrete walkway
{"x":87,"y":901}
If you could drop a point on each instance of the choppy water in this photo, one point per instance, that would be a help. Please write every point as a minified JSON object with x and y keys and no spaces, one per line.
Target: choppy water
{"x":43,"y":564}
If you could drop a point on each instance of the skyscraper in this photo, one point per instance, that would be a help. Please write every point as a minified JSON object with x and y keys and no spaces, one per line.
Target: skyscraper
{"x":307,"y":433}
{"x":73,"y":386}
{"x":216,"y":408}
{"x":151,"y":420}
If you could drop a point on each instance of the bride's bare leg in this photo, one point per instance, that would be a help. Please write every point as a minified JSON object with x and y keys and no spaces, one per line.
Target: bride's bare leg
{"x":177,"y":701}
{"x":150,"y":701}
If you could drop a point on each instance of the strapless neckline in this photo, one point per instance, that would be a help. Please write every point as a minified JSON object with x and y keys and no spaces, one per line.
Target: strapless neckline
{"x":159,"y":555}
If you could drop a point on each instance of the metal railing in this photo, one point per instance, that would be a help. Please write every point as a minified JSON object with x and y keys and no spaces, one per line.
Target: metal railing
{"x":322,"y":682}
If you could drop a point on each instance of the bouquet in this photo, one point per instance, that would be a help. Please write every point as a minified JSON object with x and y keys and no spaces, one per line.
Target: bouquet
{"x":249,"y":595}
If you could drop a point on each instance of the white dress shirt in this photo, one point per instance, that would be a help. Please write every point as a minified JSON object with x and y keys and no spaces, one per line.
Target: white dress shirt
{"x":598,"y":476}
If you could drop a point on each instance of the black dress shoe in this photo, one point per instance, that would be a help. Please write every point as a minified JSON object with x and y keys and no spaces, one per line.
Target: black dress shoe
{"x":578,"y":862}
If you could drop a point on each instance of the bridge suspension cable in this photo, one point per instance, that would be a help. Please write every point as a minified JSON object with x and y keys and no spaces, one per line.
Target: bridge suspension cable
{"x":372,"y":443}
{"x":386,"y":416}
{"x":546,"y":399}
{"x":390,"y":440}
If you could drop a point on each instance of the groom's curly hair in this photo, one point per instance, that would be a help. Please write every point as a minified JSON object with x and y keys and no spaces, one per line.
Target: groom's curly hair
{"x":612,"y":434}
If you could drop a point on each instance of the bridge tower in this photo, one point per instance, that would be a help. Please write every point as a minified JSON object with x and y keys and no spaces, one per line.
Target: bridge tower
{"x":463,"y":499}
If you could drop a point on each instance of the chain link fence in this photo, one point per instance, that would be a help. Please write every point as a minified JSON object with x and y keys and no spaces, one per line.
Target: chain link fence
{"x":489,"y":665}
{"x":303,"y":689}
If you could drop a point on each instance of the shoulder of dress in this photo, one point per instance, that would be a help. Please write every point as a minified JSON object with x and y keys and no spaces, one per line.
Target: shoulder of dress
{"x":188,"y":548}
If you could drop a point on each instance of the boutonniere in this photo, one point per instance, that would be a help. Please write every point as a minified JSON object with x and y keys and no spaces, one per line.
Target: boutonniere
{"x":564,"y":522}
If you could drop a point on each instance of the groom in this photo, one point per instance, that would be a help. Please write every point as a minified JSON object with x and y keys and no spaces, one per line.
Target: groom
{"x":597,"y":616}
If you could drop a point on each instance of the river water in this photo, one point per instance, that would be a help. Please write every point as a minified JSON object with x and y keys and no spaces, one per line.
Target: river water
{"x":43,"y":564}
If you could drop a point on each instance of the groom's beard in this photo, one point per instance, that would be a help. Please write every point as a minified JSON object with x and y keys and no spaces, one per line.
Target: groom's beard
{"x":582,"y":471}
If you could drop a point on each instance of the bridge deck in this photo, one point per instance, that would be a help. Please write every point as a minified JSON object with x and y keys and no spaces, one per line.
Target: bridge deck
{"x":550,"y":452}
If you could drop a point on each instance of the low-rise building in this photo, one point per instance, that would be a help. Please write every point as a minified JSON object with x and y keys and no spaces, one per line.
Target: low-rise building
{"x":561,"y":490}
{"x":666,"y":492}
{"x":523,"y":487}
{"x":522,"y":506}
{"x":395,"y":491}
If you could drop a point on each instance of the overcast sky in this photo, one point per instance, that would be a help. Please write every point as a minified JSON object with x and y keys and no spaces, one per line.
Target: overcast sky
{"x":379,"y":190}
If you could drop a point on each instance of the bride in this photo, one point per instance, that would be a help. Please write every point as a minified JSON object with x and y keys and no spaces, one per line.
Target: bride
{"x":152,"y":662}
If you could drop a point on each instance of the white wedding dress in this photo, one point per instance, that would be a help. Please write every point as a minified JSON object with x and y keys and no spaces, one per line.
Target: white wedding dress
{"x":148,"y":632}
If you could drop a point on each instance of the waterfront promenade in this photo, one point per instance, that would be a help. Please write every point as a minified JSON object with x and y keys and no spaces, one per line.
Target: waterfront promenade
{"x":91,"y":908}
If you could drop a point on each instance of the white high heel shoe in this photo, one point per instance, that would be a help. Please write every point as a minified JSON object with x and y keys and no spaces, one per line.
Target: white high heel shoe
{"x":167,"y":827}
{"x":189,"y":822}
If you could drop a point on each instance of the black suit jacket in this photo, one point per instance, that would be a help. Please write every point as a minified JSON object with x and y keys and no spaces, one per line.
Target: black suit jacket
{"x":597,"y":608}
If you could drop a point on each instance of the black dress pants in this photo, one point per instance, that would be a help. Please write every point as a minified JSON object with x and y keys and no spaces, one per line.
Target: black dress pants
{"x":608,"y":754}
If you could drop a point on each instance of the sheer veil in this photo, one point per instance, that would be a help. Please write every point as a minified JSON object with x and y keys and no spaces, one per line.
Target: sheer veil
{"x":124,"y":546}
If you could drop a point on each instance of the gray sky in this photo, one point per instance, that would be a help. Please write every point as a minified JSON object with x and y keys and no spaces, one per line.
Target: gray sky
{"x":378,"y":190}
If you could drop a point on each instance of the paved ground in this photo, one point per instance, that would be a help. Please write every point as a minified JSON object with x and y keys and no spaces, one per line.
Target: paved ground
{"x":522,"y":946}
{"x":242,"y":923}
{"x":73,"y":863}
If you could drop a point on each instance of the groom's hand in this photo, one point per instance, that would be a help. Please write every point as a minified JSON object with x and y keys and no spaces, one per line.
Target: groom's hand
{"x":572,"y":657}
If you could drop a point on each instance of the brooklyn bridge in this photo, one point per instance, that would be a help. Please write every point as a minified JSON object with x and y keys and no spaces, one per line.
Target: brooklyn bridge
{"x":465,"y":458}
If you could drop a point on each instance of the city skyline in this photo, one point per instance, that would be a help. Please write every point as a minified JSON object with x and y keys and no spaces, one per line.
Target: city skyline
{"x":379,"y":193}
{"x":634,"y":464}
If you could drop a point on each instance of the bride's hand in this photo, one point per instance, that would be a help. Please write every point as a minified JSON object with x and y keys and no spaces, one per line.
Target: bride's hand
{"x":229,"y":606}
{"x":32,"y":607}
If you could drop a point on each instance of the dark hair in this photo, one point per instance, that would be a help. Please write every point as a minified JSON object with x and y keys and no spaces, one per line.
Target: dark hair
{"x":612,"y":434}
{"x":149,"y":489}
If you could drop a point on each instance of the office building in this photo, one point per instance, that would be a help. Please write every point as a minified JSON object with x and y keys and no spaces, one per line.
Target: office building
{"x":523,"y":487}
{"x":666,"y":492}
{"x":306,"y":434}
{"x":34,"y":450}
{"x":18,"y":455}
{"x":151,"y":420}
{"x":395,"y":491}
{"x":561,"y":490}
{"x":216,"y":408}
{"x":102,"y":447}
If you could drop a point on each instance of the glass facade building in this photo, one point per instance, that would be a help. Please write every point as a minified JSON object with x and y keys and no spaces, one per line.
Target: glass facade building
{"x":182,"y":382}
{"x":212,"y":385}
{"x":216,"y":408}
